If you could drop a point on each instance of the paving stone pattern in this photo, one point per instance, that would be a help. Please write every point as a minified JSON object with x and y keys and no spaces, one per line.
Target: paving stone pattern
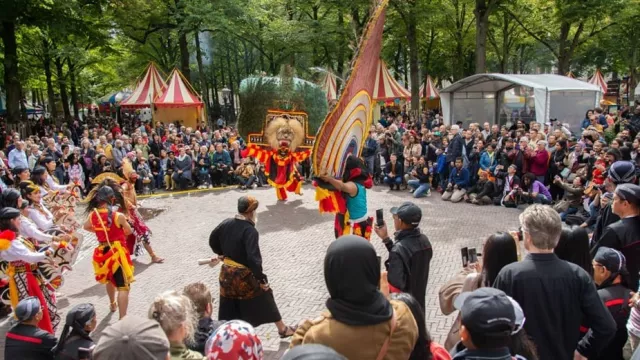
{"x":293,"y":240}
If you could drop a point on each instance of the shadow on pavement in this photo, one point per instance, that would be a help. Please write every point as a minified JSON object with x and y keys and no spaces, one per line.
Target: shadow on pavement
{"x":276,"y":355}
{"x":289,"y":215}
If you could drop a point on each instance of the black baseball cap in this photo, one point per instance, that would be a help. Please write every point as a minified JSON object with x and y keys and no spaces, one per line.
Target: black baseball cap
{"x":629,"y":192}
{"x":408,"y":212}
{"x":487,"y":311}
{"x":611,"y":259}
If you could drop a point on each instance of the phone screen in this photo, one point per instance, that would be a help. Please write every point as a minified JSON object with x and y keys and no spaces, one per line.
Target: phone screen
{"x":473,"y":256}
{"x":464,"y":252}
{"x":379,"y":217}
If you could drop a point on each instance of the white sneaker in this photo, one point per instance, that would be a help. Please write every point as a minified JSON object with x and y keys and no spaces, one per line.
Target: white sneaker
{"x":254,"y":186}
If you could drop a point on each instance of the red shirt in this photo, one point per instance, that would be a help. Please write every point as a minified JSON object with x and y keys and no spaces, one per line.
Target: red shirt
{"x":115,"y":232}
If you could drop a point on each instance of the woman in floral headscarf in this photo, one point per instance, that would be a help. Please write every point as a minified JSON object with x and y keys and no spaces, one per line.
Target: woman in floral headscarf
{"x":234,"y":340}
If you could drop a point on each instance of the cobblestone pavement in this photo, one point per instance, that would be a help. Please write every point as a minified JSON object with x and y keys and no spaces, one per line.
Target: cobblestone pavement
{"x":293,"y":240}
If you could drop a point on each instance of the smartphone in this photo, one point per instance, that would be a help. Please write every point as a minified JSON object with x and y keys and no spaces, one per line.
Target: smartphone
{"x":379,"y":217}
{"x":464,"y":252}
{"x":473,"y":256}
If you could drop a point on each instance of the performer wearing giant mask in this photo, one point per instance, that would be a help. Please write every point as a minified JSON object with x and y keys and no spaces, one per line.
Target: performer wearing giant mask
{"x":111,"y":261}
{"x":284,"y":134}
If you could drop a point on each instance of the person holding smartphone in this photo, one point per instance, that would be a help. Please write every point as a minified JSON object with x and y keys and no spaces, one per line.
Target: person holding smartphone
{"x":410,"y":255}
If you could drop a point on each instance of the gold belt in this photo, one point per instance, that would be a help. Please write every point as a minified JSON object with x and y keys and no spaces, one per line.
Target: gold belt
{"x":22,"y":267}
{"x":230,"y":262}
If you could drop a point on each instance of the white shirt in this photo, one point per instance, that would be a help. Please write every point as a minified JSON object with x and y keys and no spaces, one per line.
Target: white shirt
{"x":29,"y":229}
{"x":19,"y":252}
{"x":54,"y":186}
{"x":43,"y":221}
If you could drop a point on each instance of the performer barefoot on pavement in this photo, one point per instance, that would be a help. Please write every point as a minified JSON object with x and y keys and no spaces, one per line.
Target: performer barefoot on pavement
{"x":244,"y":289}
{"x":352,"y":204}
{"x":111,"y":261}
{"x":141,"y":232}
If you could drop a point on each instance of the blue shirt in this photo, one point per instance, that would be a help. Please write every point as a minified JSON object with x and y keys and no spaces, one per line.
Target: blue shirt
{"x":460,"y":178}
{"x":357,"y":205}
{"x":17,"y":157}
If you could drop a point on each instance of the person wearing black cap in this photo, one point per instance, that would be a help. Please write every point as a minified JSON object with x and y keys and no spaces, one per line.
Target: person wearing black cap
{"x":622,"y":235}
{"x":620,"y":172}
{"x":244,"y":288}
{"x":22,"y":259}
{"x":487,"y":319}
{"x":75,"y":342}
{"x":25,"y":340}
{"x":609,"y":274}
{"x":410,"y":255}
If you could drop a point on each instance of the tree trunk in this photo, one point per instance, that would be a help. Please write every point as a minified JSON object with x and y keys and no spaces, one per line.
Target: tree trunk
{"x":46,"y":63}
{"x":237,"y":63}
{"x":231,"y":87}
{"x":184,"y":56}
{"x":341,"y":47}
{"x":74,"y":90}
{"x":396,"y":64}
{"x":11,"y":78}
{"x":405,"y":67}
{"x":482,"y":26}
{"x":201,"y":74}
{"x":63,"y":89}
{"x":413,"y":63}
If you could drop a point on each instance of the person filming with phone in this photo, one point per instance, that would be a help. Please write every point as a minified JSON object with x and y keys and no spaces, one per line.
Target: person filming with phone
{"x":410,"y":253}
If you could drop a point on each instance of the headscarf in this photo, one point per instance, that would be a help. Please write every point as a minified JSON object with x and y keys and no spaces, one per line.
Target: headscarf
{"x":77,"y":318}
{"x":352,"y":274}
{"x":356,"y":170}
{"x":234,"y":340}
{"x":312,"y":352}
{"x":27,"y":308}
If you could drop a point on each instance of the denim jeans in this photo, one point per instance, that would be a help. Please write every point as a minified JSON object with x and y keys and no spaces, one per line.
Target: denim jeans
{"x":158,"y":180}
{"x":419,"y":189}
{"x":393,"y":181}
{"x":570,"y":211}
{"x":247,"y":181}
{"x":541,"y":199}
{"x":370,"y":161}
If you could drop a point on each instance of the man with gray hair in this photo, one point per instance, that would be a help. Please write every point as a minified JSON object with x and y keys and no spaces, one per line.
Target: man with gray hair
{"x":557,"y":296}
{"x":454,"y":150}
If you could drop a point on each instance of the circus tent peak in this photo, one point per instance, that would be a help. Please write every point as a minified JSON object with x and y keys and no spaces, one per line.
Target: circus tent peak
{"x":179,"y":93}
{"x":431,"y":91}
{"x":329,"y":86}
{"x":146,"y":90}
{"x":571,"y":75}
{"x":599,"y":81}
{"x":386,"y":87}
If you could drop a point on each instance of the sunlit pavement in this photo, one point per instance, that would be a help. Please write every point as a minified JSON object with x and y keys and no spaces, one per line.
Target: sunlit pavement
{"x":293,"y":240}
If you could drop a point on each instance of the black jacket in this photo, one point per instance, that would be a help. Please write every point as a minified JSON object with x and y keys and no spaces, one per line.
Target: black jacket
{"x":26,"y":342}
{"x":484,"y":188}
{"x":623,"y":236}
{"x":557,"y":297}
{"x":408,"y":264}
{"x":238,"y":240}
{"x":399,"y":168}
{"x":454,"y":150}
{"x":616,"y":299}
{"x":206,"y":327}
{"x":421,"y":175}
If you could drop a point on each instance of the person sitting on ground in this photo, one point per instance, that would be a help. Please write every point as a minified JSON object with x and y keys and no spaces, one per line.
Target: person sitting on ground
{"x":572,"y":198}
{"x":144,"y":172}
{"x":421,"y":184}
{"x":174,"y":313}
{"x":26,"y":340}
{"x":234,"y":340}
{"x":182,"y":169}
{"x":202,"y":165}
{"x":425,"y":347}
{"x":459,"y":181}
{"x":134,"y":336}
{"x":202,"y":301}
{"x":533,"y":191}
{"x":246,"y":174}
{"x":75,"y":342}
{"x":610,"y":275}
{"x":393,"y":172}
{"x":169,"y":182}
{"x":483,"y":191}
{"x":360,"y":323}
{"x":487,"y":320}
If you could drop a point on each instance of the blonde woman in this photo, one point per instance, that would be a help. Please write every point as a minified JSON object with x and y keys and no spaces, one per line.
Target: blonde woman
{"x":177,"y":318}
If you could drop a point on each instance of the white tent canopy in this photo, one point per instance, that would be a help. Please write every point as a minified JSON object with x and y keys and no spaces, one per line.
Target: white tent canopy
{"x":478,"y":98}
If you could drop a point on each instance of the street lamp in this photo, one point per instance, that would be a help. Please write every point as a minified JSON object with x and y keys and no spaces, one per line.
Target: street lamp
{"x":228,"y":108}
{"x":226,"y":95}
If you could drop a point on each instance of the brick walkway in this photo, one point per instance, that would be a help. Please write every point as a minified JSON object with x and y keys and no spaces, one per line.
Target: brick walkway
{"x":293,"y":240}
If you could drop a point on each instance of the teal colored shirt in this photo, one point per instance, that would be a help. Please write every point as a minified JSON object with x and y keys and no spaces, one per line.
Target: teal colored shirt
{"x":357,"y":205}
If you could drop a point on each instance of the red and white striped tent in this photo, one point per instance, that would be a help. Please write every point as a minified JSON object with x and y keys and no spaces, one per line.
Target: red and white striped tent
{"x":386,"y":88}
{"x":431,"y":91}
{"x":598,"y":80}
{"x":329,"y":86}
{"x":179,"y":102}
{"x":147,"y":89}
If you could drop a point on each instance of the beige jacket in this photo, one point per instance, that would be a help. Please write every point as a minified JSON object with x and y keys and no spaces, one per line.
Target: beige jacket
{"x":361,"y":342}
{"x":466,"y":280}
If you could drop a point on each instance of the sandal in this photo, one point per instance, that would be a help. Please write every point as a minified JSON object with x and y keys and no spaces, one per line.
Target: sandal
{"x":288,"y":332}
{"x":113,"y":306}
